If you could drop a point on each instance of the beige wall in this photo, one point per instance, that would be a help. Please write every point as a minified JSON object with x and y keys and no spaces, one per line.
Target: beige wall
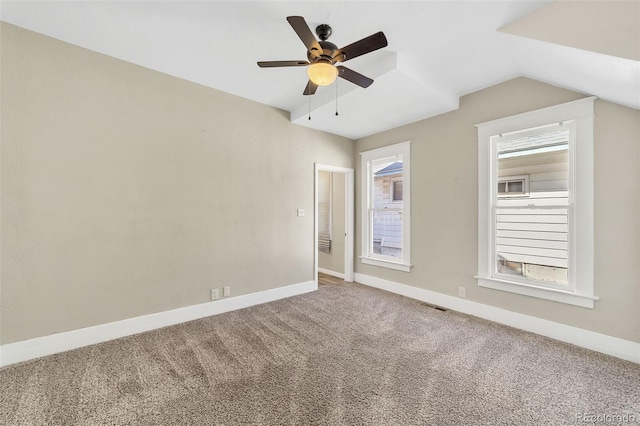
{"x":126,"y":191}
{"x":334,"y":261}
{"x":444,"y":206}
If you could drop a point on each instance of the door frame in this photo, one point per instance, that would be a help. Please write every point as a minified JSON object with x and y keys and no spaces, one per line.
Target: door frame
{"x":349,"y":218}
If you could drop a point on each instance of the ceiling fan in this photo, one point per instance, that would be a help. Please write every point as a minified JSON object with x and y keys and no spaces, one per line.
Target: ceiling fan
{"x":323,"y":55}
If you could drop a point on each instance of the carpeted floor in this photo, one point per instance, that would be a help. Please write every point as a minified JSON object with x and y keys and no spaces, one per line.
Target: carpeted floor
{"x":346,"y":354}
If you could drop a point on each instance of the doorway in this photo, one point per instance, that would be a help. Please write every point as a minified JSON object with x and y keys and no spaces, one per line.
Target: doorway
{"x":334,"y":221}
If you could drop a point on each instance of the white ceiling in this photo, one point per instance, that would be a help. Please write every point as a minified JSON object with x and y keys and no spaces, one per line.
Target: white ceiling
{"x":438,"y":51}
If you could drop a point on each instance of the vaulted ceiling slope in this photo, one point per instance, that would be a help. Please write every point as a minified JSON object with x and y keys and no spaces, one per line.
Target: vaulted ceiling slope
{"x":438,"y":51}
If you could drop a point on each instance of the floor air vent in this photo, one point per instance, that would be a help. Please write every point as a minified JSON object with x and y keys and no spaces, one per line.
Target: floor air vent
{"x":437,"y":308}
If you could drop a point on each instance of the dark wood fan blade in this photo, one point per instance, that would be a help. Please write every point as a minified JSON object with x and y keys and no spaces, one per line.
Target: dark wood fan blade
{"x":301,"y":28}
{"x":310,"y":89}
{"x":270,"y":64}
{"x":354,"y":77}
{"x":368,"y":44}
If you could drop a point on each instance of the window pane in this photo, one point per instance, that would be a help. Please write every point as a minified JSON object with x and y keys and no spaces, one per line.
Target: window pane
{"x":387,"y":233}
{"x":384,"y":172}
{"x":532,"y":230}
{"x":397,"y":191}
{"x":507,"y":267}
{"x":515,"y":187}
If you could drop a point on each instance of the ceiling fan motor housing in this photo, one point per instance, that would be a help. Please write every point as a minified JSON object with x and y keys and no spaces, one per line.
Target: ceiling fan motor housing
{"x":328,"y":49}
{"x":328,"y":52}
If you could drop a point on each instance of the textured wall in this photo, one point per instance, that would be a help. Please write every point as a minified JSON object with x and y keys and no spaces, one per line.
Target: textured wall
{"x":445,"y":205}
{"x":126,"y":191}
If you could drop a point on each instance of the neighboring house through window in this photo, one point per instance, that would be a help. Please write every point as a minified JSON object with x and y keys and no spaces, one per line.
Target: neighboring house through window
{"x":385,"y":221}
{"x":536,"y":203}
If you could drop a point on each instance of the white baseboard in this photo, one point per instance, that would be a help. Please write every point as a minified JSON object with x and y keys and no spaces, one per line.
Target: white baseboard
{"x":12,"y":353}
{"x":332,"y":273}
{"x":609,"y":345}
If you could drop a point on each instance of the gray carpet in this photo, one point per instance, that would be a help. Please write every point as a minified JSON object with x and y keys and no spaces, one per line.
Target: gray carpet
{"x":346,"y":354}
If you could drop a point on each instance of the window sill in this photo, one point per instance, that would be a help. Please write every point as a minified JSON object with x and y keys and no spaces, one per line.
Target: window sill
{"x":405,"y":267}
{"x":568,"y":297}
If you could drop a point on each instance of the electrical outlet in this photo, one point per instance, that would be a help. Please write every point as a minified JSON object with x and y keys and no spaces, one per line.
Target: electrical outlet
{"x":462,"y":292}
{"x":300,"y":212}
{"x":226,"y":291}
{"x":215,"y":294}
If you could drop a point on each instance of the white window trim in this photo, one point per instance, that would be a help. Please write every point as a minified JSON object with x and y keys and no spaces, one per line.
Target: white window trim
{"x":581,"y":180}
{"x":404,"y":149}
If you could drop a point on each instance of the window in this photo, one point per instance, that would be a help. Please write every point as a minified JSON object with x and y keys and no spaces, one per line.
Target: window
{"x":396,"y":190}
{"x":386,"y":207}
{"x":535,"y":203}
{"x":511,"y":186}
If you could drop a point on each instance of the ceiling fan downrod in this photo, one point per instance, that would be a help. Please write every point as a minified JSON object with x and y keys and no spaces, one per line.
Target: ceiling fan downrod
{"x":323,"y":31}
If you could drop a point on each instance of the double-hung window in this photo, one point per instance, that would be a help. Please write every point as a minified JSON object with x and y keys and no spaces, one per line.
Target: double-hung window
{"x":386,"y":223}
{"x":535,"y":203}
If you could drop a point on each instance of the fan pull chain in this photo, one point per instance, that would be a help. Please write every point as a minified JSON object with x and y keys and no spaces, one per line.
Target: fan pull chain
{"x":309,"y":96}
{"x":336,"y":96}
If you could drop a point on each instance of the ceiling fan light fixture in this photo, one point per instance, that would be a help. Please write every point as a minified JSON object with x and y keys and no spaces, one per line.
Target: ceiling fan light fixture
{"x":322,"y":73}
